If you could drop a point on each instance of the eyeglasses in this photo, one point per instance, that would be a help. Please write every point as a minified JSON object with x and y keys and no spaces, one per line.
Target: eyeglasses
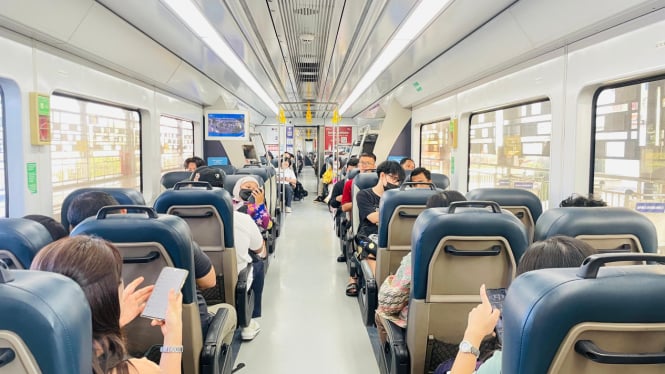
{"x":393,"y":178}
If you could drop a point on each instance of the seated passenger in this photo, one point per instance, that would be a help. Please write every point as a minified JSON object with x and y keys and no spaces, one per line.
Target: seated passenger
{"x":193,"y":163}
{"x":394,"y":291}
{"x":390,"y":176}
{"x":287,"y":181}
{"x":245,"y":191}
{"x":553,"y":252}
{"x":88,"y":204}
{"x":96,"y":265}
{"x":579,"y":200}
{"x":55,"y":228}
{"x":421,"y":175}
{"x":407,"y":163}
{"x":366,"y":163}
{"x":336,"y":195}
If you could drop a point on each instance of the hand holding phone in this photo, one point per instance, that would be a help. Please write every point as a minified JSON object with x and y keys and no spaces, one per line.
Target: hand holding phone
{"x":169,"y":279}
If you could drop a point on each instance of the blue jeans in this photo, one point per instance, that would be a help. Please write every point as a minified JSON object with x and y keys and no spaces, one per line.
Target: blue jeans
{"x":288,"y":191}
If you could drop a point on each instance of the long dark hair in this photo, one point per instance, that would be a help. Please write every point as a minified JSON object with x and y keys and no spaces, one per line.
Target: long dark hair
{"x":96,"y":265}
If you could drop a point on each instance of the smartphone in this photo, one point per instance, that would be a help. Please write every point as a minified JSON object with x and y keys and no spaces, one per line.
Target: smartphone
{"x":496,"y":297}
{"x":169,"y":278}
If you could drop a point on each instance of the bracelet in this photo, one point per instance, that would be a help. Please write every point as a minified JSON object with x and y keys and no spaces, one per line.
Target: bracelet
{"x":171,"y":349}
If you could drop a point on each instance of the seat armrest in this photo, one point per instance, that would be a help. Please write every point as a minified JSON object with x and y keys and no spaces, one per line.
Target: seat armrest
{"x":217,"y":356}
{"x":368,"y":293}
{"x":395,"y":352}
{"x":244,"y":297}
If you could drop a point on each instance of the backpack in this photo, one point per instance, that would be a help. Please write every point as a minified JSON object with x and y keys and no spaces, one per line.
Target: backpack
{"x":299,"y":192}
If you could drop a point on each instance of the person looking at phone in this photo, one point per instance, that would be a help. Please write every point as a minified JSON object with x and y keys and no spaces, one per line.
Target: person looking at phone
{"x":249,"y":198}
{"x":553,"y":252}
{"x":96,"y":265}
{"x":287,"y":180}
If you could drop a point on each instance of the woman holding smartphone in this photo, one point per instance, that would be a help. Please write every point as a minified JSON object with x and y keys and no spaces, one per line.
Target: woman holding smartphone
{"x":96,"y":266}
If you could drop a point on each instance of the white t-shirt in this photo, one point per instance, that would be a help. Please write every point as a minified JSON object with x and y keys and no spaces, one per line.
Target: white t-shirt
{"x":286,"y":173}
{"x":246,"y":237}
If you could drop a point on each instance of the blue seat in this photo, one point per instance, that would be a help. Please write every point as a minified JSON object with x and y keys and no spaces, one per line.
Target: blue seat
{"x":522,"y":203}
{"x":170,"y":178}
{"x":604,"y":228}
{"x":559,"y":320}
{"x":21,"y":240}
{"x":454,"y":251}
{"x":148,"y":242}
{"x":45,"y":325}
{"x":440,"y":180}
{"x":124,"y":196}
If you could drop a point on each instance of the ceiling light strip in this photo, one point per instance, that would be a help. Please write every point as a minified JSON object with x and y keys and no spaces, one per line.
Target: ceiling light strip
{"x":190,"y":14}
{"x":415,"y":23}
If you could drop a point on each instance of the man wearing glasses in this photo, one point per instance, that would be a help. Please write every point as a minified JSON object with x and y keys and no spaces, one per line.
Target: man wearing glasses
{"x":366,"y":163}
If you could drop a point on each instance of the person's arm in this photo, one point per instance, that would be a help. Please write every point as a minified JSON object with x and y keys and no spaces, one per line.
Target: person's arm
{"x":260,"y":215}
{"x":171,"y":326}
{"x":365,"y":205}
{"x":481,"y":322}
{"x":256,"y":243}
{"x":207,"y":281}
{"x":373,"y":217}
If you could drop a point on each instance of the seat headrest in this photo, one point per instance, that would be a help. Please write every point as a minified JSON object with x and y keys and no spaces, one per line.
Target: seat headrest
{"x":169,"y":179}
{"x":391,"y":200}
{"x":50,"y":313}
{"x":542,"y":306}
{"x":255,"y":170}
{"x":509,"y":197}
{"x":218,"y":198}
{"x":575,"y":221}
{"x":23,"y":238}
{"x":171,"y":232}
{"x":124,"y":196}
{"x":434,"y":224}
{"x":228,"y":169}
{"x":365,"y":180}
{"x":352,"y":174}
{"x":440,"y":180}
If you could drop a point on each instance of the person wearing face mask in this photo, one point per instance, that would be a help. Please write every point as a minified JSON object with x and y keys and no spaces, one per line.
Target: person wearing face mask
{"x":249,"y":198}
{"x":390,"y":175}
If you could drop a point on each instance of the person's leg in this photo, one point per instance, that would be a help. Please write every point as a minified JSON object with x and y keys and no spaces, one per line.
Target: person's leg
{"x":231,"y":322}
{"x":257,"y":287}
{"x":289,"y":194}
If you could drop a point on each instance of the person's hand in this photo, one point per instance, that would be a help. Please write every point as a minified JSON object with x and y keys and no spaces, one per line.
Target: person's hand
{"x":133,"y":301}
{"x":172,"y":324}
{"x":259,"y":196}
{"x":482,"y":319}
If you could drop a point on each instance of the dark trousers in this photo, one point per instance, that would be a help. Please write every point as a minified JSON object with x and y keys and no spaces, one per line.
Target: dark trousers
{"x":257,"y":285}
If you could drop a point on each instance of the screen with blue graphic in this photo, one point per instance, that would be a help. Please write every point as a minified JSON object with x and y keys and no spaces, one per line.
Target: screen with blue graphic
{"x":227,"y":125}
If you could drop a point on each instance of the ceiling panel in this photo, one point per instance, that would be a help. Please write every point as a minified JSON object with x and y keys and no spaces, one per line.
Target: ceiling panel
{"x":38,"y":15}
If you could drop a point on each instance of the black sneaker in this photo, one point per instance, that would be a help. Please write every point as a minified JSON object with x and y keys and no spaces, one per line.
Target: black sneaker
{"x":341,"y":258}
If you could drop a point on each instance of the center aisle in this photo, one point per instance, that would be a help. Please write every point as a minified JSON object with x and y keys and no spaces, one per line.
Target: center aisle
{"x":308,"y":323}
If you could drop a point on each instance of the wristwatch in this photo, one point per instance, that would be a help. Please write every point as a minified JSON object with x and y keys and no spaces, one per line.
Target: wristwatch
{"x":466,"y":347}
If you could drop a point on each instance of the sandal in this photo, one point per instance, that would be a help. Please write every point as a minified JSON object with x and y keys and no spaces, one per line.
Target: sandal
{"x":352,"y":289}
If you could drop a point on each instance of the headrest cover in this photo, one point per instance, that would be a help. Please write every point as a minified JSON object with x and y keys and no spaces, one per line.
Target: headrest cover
{"x":575,"y":221}
{"x":509,"y":197}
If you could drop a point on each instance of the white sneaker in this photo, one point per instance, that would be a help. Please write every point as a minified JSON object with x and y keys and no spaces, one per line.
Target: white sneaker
{"x":288,"y":209}
{"x":250,"y":332}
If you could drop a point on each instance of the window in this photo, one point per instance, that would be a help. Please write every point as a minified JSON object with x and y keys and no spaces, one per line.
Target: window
{"x":3,"y":175}
{"x":177,"y":140}
{"x":93,"y":144}
{"x":510,"y":147}
{"x":629,"y":148}
{"x":436,"y":146}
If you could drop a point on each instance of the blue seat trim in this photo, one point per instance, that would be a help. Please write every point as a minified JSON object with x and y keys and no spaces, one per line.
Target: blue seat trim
{"x":440,"y":180}
{"x":574,"y":221}
{"x":394,"y":198}
{"x":50,"y":313}
{"x":170,"y":231}
{"x":509,"y":197}
{"x":542,"y":306}
{"x":365,"y":180}
{"x":218,"y":198}
{"x":260,"y":171}
{"x":24,"y":238}
{"x":434,"y":224}
{"x":124,"y":196}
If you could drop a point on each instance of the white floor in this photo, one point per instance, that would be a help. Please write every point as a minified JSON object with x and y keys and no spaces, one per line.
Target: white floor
{"x":308,"y":325}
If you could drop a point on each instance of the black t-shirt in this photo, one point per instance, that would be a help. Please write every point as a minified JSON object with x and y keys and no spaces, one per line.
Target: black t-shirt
{"x":368,"y":202}
{"x":338,"y":188}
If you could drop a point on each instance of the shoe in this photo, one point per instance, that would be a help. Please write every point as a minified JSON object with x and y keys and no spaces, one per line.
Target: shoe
{"x":352,"y":289}
{"x":341,"y":258}
{"x":288,"y":209}
{"x":250,"y":332}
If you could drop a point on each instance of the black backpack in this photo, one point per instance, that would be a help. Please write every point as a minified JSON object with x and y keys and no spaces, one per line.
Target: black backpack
{"x":299,"y":192}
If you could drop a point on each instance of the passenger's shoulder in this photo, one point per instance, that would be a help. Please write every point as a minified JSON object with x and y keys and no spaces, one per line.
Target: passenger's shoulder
{"x":142,"y":366}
